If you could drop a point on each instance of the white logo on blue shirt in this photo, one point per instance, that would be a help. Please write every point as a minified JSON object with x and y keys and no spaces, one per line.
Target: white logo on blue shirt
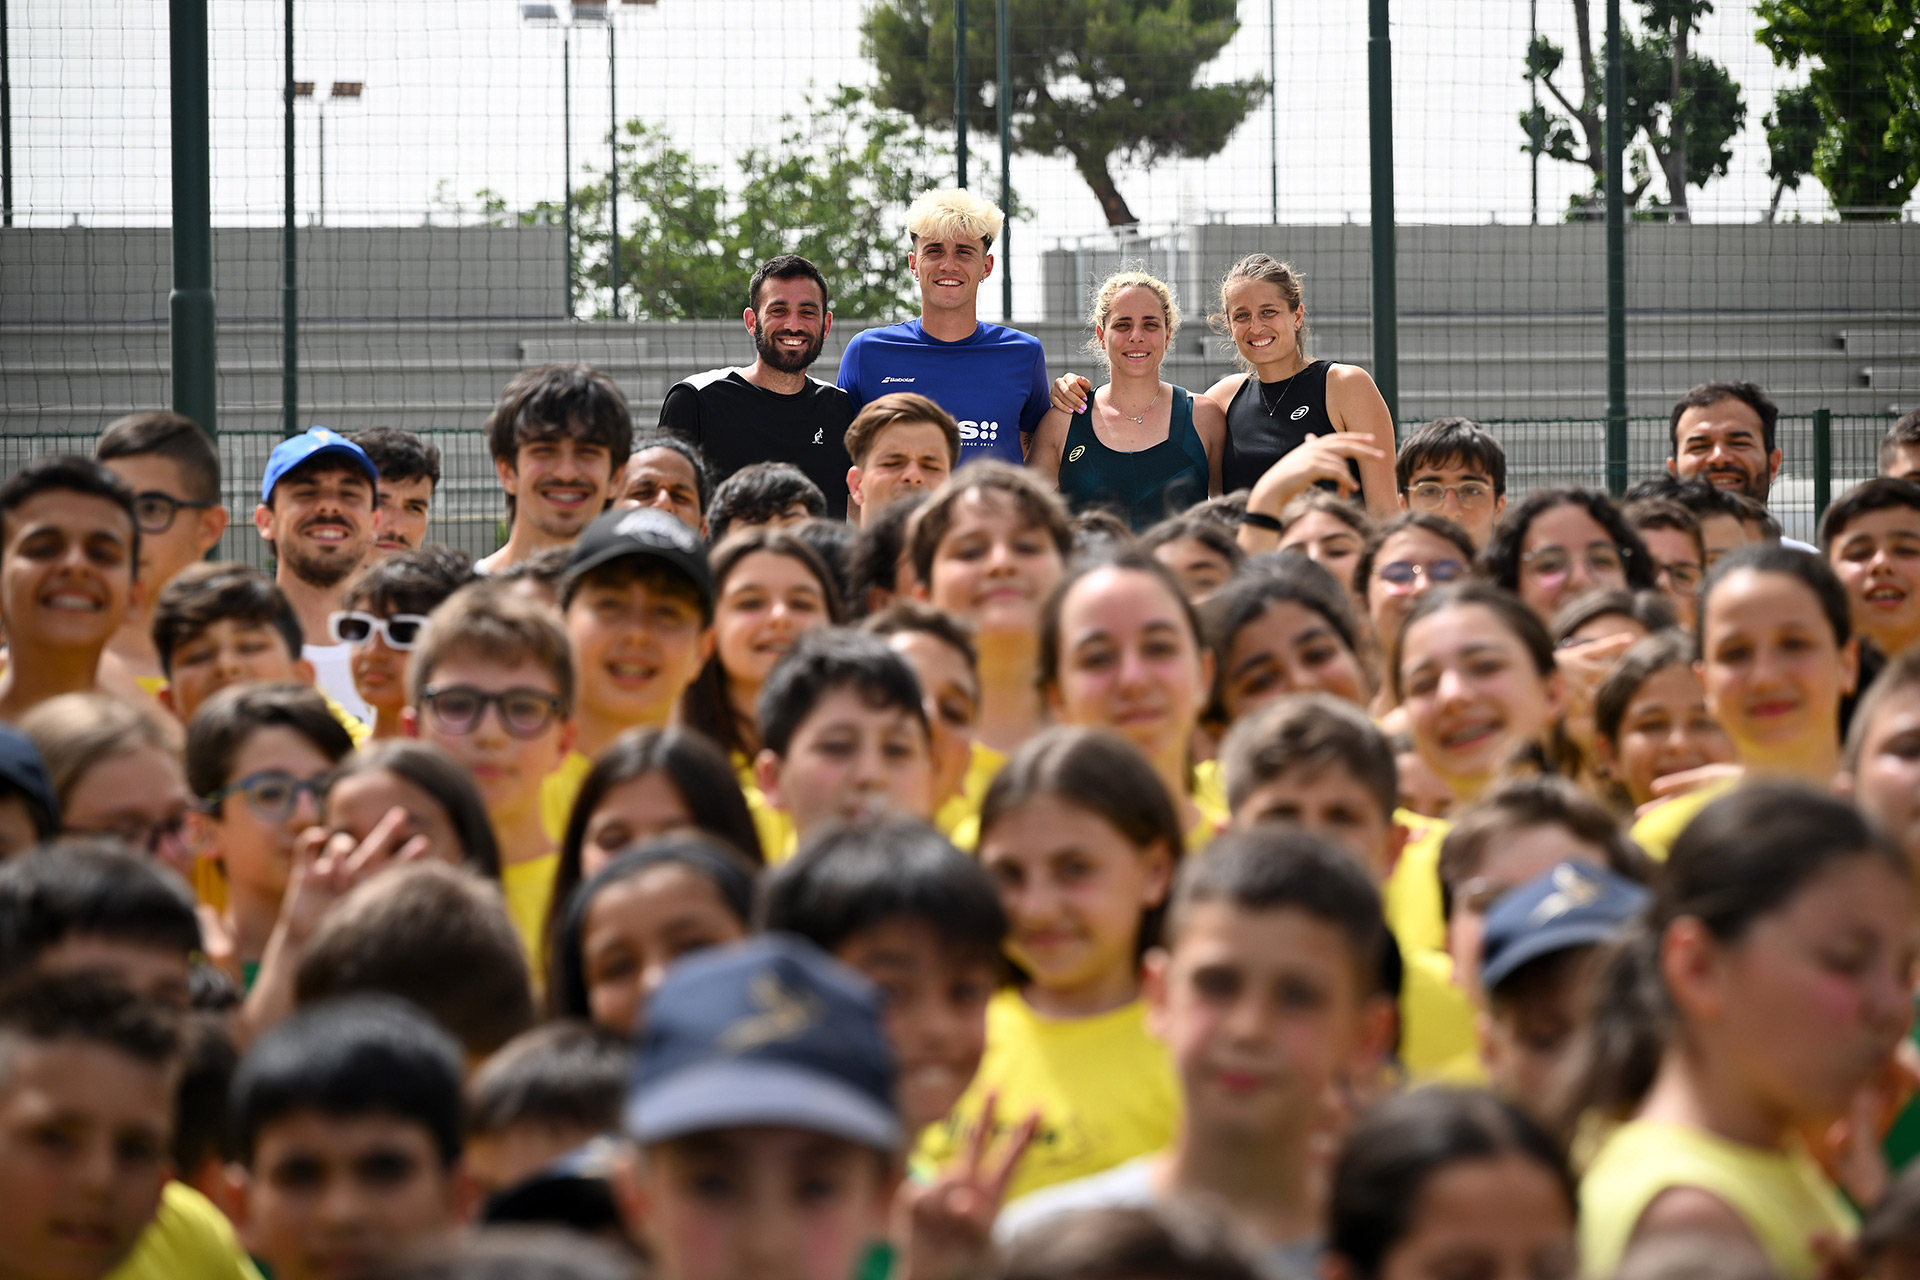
{"x":885,"y":381}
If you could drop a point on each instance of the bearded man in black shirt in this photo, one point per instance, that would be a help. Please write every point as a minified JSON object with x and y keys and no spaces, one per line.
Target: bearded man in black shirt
{"x":771,"y":411}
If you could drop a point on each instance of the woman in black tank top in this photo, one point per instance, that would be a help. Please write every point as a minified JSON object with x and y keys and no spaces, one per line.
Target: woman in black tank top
{"x":1286,"y":397}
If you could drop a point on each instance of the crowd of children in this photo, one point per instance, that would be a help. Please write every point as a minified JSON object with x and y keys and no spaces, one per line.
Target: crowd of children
{"x":1066,"y":871}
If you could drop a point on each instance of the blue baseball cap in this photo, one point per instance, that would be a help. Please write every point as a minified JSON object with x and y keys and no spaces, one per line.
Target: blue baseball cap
{"x":314,"y":442}
{"x":771,"y":1032}
{"x":23,"y":769}
{"x":1576,"y":904}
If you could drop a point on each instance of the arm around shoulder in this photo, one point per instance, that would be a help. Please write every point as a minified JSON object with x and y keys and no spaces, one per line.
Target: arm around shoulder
{"x":1355,"y":405}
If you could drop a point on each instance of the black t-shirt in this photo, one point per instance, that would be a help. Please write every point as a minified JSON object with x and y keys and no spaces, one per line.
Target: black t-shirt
{"x":735,"y":423}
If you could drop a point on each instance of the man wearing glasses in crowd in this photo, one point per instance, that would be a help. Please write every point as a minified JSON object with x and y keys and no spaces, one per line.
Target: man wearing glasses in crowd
{"x":174,"y":473}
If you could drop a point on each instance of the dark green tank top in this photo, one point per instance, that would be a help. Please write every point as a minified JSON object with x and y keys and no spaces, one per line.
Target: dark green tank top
{"x":1142,"y":487}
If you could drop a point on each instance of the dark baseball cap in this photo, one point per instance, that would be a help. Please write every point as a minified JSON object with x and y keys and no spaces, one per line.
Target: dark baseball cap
{"x":767,"y":1033}
{"x":314,"y":442}
{"x":1576,"y":904}
{"x":643,"y":534}
{"x":23,"y":769}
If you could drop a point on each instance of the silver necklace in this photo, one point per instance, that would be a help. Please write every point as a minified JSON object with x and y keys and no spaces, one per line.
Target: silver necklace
{"x":1142,"y":419}
{"x":1273,"y":410}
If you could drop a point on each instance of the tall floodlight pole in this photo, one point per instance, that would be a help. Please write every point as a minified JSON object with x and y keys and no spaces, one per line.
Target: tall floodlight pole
{"x":1386,"y":323}
{"x":960,"y":90}
{"x":539,"y":13}
{"x":1616,"y":454}
{"x":290,"y":276}
{"x":1003,"y":99}
{"x":190,"y":312}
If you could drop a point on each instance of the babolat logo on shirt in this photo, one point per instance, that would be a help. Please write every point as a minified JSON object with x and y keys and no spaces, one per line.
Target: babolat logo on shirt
{"x":1077,"y":451}
{"x":979,"y":432}
{"x":1299,"y":413}
{"x":885,"y":381}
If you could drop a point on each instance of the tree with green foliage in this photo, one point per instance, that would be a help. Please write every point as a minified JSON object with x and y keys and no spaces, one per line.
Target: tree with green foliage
{"x":1681,"y":114}
{"x":1862,"y":80}
{"x":1793,"y":130}
{"x":1101,"y":82}
{"x":834,"y":187}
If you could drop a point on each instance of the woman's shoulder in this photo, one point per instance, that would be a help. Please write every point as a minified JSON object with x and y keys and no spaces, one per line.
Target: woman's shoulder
{"x":1227,"y":388}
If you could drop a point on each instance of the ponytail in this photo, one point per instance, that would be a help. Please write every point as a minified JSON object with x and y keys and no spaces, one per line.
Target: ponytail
{"x":1627,"y":1029}
{"x":1745,"y":856}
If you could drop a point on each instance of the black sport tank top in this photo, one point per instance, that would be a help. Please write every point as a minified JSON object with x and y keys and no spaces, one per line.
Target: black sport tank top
{"x":1268,"y":420}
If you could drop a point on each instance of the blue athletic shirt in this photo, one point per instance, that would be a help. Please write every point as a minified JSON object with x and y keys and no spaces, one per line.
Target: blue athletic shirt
{"x":994,"y":383}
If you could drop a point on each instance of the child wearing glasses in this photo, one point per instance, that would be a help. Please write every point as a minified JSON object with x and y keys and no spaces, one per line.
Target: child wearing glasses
{"x":381,"y":615}
{"x":491,"y":682}
{"x":1405,"y":558}
{"x":1454,"y":468}
{"x":1559,"y":544}
{"x":256,"y":754}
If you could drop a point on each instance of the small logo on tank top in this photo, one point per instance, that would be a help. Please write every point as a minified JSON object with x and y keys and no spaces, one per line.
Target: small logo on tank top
{"x":819,"y":436}
{"x":1077,"y":451}
{"x":1299,"y":413}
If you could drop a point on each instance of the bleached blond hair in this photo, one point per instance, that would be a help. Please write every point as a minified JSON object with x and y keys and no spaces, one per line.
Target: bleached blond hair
{"x":954,"y":212}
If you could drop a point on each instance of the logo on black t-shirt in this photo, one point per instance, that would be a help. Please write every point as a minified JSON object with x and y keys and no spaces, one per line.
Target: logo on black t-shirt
{"x":1299,"y":413}
{"x":1077,"y":451}
{"x":819,"y":436}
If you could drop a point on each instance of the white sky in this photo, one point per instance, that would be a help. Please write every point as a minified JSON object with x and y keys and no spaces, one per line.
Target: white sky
{"x":461,"y":95}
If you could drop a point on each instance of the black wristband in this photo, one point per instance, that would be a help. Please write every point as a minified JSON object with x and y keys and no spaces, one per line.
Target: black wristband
{"x":1261,"y":520}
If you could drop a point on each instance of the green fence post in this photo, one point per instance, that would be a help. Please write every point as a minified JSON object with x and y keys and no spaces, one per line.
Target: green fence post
{"x":1616,"y":259}
{"x":190,"y":314}
{"x":1386,"y":323}
{"x":1822,"y":463}
{"x":289,"y":270}
{"x":1004,"y":105}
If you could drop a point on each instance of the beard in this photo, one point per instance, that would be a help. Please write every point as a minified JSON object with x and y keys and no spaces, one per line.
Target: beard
{"x":781,"y":358}
{"x":324,"y":570}
{"x":1753,"y":484}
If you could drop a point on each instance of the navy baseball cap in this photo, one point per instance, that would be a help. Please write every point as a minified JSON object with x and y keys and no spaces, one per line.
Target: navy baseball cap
{"x":1576,"y":904}
{"x":647,"y":534}
{"x":314,"y":442}
{"x":772,"y":1033}
{"x":23,"y":769}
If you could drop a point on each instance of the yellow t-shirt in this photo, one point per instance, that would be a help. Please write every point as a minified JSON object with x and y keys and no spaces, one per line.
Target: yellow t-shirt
{"x":1782,"y":1196}
{"x":1437,"y":1036}
{"x":1659,"y":829}
{"x":1411,"y":897}
{"x":528,"y":889}
{"x":1104,"y":1088}
{"x":187,"y":1237}
{"x":778,"y":838}
{"x":559,"y":790}
{"x":981,"y":768}
{"x":356,"y":730}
